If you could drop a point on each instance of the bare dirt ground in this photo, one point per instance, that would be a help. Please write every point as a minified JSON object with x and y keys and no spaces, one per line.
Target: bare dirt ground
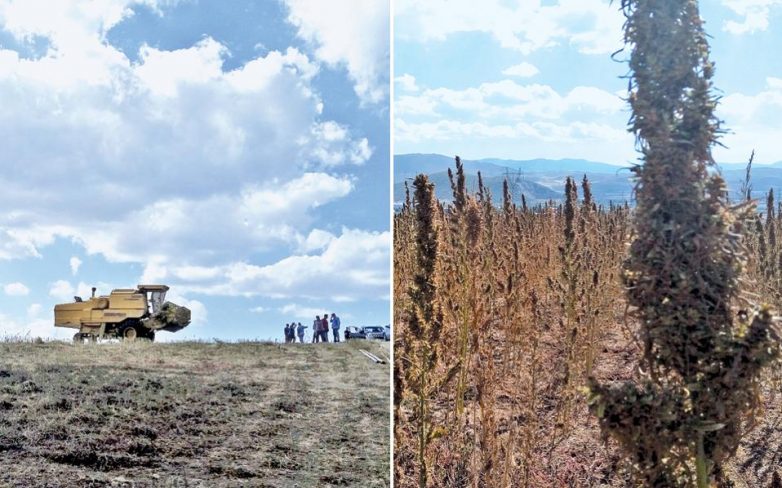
{"x":193,"y":414}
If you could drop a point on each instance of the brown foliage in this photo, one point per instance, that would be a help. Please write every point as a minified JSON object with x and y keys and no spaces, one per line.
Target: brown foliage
{"x":523,"y":320}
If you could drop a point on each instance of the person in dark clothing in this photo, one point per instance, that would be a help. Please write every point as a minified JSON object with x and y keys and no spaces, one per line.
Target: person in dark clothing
{"x":316,"y":329}
{"x":324,"y":328}
{"x":292,"y":333}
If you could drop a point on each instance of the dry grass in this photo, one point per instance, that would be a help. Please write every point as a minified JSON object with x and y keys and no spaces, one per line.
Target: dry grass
{"x":193,"y":414}
{"x":534,"y":339}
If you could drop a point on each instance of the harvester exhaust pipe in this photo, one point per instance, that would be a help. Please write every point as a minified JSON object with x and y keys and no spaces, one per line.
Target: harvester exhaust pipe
{"x":93,"y":291}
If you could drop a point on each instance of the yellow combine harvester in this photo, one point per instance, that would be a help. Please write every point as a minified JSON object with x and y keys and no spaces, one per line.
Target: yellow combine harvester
{"x":125,"y":313}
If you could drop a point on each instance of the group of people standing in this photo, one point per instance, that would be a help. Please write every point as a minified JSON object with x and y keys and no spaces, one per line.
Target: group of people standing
{"x":320,"y":329}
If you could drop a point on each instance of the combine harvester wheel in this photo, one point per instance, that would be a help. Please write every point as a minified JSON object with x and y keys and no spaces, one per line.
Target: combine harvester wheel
{"x":129,"y":334}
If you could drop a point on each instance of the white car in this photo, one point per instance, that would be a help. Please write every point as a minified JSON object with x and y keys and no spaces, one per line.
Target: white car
{"x":374,"y":332}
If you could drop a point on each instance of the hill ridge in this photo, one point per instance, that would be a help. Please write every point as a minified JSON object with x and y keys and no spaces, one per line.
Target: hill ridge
{"x":544,"y":179}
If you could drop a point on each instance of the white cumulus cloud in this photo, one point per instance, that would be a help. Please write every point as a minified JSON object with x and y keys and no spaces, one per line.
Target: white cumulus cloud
{"x":522,"y":70}
{"x":16,"y":289}
{"x":753,"y":13}
{"x":753,"y":120}
{"x":349,"y":267}
{"x":33,"y":310}
{"x":62,"y":290}
{"x":75,"y":264}
{"x":406,"y":82}
{"x":509,"y":99}
{"x":591,"y":26}
{"x":174,"y":162}
{"x":157,"y":142}
{"x":30,"y":328}
{"x":500,"y":112}
{"x":352,"y":33}
{"x":301,"y":312}
{"x":316,"y":240}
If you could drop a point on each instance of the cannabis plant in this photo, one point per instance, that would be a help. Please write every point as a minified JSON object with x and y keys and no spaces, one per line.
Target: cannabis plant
{"x":702,"y":358}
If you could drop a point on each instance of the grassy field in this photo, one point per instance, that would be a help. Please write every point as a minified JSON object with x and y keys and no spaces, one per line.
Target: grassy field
{"x":193,"y":414}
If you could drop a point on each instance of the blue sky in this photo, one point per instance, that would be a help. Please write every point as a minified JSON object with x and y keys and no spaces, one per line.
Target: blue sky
{"x":235,"y":151}
{"x":531,"y":79}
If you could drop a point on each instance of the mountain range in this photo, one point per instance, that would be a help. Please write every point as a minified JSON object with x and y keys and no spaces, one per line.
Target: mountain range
{"x":541,"y":180}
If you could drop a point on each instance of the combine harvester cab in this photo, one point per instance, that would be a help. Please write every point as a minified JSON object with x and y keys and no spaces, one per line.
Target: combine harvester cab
{"x":125,"y":313}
